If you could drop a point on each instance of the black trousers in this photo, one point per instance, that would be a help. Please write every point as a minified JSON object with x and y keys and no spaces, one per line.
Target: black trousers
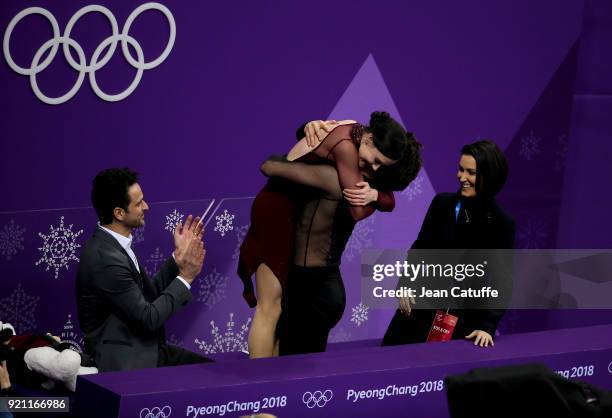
{"x":171,"y":355}
{"x":312,"y":305}
{"x":409,"y":329}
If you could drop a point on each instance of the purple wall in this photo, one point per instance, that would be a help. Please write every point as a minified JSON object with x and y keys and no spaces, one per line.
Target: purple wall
{"x":585,"y":207}
{"x":241,"y":78}
{"x":237,"y":82}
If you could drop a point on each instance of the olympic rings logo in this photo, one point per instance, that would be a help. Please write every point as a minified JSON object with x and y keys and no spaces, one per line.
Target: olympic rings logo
{"x":96,"y":62}
{"x":156,"y":412}
{"x":317,"y":398}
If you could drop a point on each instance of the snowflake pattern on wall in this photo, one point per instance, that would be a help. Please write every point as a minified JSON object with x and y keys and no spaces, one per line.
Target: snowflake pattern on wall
{"x":59,"y":247}
{"x":11,"y":239}
{"x":533,"y":234}
{"x":340,"y":335}
{"x":530,"y":146}
{"x":561,"y":152}
{"x":212,"y":288}
{"x":173,"y":219}
{"x":240,"y":234}
{"x":414,"y":189}
{"x":360,"y":314}
{"x":71,"y":336}
{"x":360,"y":238}
{"x":154,"y":262}
{"x":228,"y":341}
{"x":225,"y":222}
{"x":138,"y":235}
{"x":18,"y":309}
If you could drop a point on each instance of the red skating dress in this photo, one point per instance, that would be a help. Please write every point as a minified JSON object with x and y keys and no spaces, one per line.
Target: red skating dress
{"x":270,"y":237}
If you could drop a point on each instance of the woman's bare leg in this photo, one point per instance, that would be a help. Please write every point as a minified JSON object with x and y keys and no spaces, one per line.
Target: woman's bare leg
{"x":263,"y":330}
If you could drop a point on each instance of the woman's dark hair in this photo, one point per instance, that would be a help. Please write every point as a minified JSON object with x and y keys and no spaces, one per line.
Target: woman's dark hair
{"x":491,"y":167}
{"x":389,"y":136}
{"x":110,"y":191}
{"x":394,"y":142}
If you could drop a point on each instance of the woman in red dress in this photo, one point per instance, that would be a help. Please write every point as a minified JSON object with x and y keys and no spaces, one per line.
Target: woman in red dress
{"x":352,"y":149}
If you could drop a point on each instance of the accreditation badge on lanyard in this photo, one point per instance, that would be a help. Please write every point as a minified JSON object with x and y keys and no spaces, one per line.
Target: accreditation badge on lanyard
{"x":442,"y":327}
{"x":444,"y":323}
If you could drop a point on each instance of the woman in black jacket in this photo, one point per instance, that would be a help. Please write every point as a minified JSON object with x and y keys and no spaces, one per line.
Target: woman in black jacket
{"x":467,"y":219}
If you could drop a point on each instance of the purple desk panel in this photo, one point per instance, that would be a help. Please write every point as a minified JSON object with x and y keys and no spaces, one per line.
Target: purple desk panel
{"x":362,"y":381}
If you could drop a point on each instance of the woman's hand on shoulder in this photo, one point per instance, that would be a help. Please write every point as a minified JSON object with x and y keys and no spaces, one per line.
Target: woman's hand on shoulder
{"x":317,"y":130}
{"x":362,"y":196}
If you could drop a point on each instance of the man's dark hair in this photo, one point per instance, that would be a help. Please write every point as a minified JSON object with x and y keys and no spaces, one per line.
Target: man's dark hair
{"x":491,"y":167}
{"x":110,"y":191}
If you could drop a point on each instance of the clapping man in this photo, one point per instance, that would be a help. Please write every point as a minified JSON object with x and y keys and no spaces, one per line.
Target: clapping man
{"x":121,"y":310}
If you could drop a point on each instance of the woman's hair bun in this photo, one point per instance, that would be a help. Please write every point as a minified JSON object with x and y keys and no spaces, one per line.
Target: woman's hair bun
{"x":377,"y":118}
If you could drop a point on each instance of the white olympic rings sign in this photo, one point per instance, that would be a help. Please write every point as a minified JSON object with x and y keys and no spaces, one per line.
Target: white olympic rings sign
{"x":96,"y":63}
{"x":317,"y":398}
{"x":156,"y":412}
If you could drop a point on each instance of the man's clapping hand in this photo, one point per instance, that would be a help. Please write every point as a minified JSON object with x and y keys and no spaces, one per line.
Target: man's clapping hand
{"x":183,"y":234}
{"x":189,"y":251}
